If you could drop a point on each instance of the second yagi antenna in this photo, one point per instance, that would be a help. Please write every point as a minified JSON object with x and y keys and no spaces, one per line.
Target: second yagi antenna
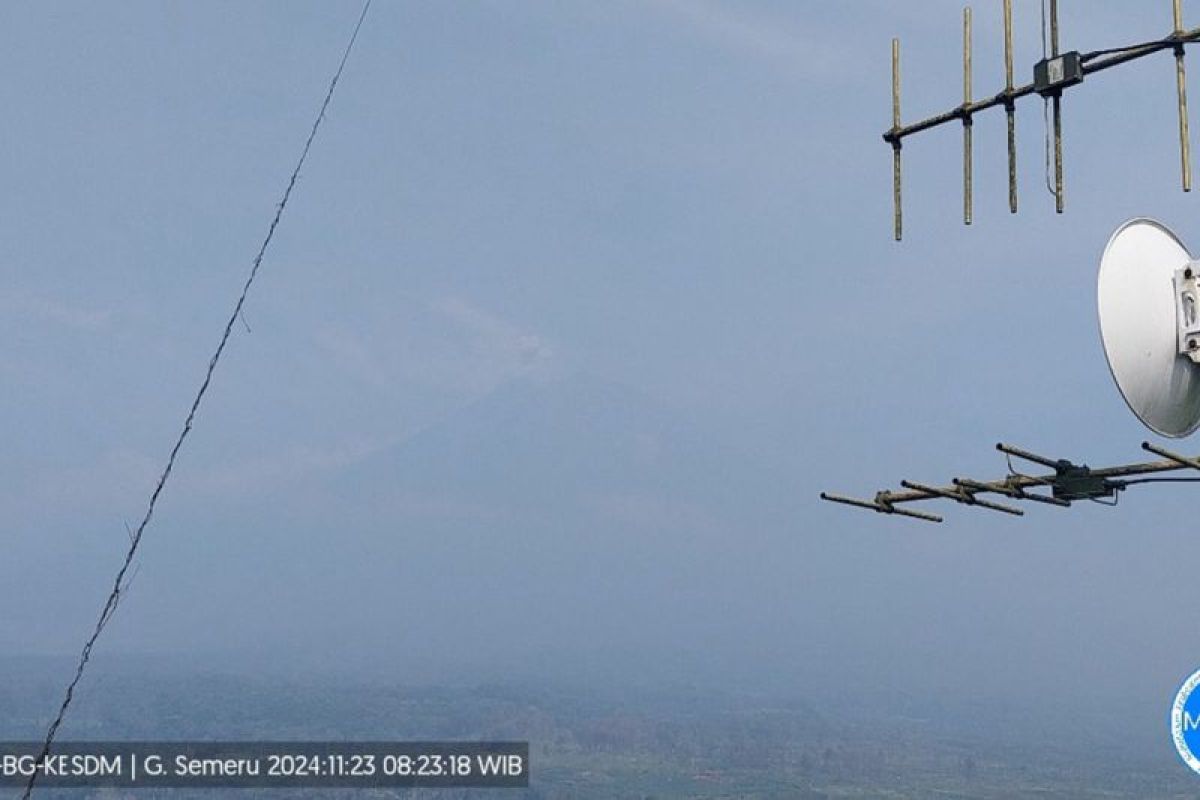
{"x":1053,"y":74}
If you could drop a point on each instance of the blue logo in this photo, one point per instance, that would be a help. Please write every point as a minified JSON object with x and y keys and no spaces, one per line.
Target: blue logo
{"x":1185,"y":722}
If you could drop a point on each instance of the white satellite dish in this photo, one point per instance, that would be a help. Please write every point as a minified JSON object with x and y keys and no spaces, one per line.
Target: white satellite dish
{"x":1149,"y":302}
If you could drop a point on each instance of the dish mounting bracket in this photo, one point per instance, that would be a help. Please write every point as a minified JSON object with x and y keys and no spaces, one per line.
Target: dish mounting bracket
{"x":1187,"y":310}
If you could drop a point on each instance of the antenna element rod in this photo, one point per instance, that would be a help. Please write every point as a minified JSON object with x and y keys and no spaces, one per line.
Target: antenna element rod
{"x":1183,"y":461}
{"x":1058,"y":156}
{"x":966,"y":116}
{"x":1185,"y":154}
{"x":899,"y":221}
{"x":882,"y":508}
{"x":1054,"y":28}
{"x":1009,"y":108}
{"x":1008,"y":449}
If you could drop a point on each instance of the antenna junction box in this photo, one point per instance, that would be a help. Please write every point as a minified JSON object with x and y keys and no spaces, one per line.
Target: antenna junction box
{"x":1187,"y":311}
{"x":1052,"y":75}
{"x":1078,"y":482}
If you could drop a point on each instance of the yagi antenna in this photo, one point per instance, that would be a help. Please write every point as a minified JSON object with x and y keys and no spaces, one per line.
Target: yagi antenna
{"x":1051,"y":76}
{"x":1148,"y":298}
{"x":1066,"y":483}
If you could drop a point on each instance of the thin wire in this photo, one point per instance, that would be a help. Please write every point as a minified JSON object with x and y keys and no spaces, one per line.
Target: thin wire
{"x":1161,"y":480}
{"x":1012,"y":473}
{"x":1046,"y":127}
{"x":1046,"y":108}
{"x":120,"y":585}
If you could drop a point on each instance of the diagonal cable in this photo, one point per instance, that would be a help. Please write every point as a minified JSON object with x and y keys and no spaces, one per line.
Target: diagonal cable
{"x":114,"y":597}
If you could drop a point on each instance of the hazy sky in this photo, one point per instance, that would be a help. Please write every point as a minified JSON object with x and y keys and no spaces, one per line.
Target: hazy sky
{"x":576,"y":309}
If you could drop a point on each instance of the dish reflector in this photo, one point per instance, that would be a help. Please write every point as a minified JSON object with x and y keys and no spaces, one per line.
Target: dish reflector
{"x":1138,"y":292}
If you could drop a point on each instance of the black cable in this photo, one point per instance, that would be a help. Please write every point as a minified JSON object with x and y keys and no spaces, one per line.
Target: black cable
{"x":1160,"y":480}
{"x":110,"y":605}
{"x":1093,"y":54}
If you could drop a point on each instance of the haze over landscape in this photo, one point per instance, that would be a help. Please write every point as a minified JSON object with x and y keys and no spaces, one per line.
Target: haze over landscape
{"x":575,"y":311}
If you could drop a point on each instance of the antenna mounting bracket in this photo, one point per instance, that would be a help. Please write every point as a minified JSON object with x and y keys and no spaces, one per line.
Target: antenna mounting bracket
{"x":1187,"y":311}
